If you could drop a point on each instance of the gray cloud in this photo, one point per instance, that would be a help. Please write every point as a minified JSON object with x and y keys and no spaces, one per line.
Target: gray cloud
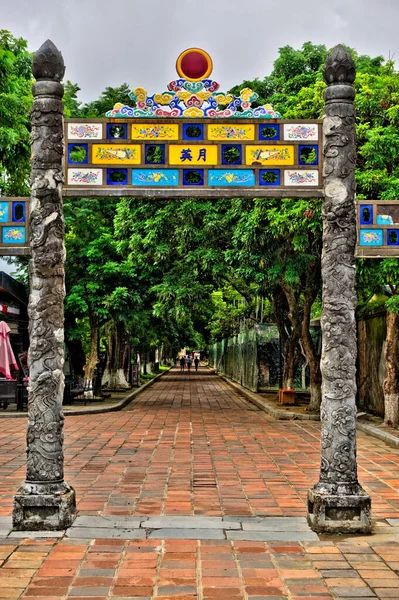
{"x":107,"y":43}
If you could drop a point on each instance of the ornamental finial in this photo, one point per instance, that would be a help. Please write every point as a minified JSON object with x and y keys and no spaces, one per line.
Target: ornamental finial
{"x":339,"y":67}
{"x":48,"y":63}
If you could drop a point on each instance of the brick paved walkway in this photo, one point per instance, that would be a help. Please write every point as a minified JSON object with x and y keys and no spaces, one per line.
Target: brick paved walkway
{"x":190,"y":445}
{"x":139,"y":570}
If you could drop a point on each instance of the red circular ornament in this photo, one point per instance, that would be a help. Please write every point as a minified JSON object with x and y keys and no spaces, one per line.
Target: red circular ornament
{"x":194,"y":64}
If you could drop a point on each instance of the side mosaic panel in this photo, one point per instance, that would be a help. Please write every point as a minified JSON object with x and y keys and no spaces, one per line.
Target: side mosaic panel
{"x":14,"y":220}
{"x":377,"y":228}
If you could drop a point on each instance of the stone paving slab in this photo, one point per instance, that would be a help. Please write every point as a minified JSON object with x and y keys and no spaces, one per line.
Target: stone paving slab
{"x":169,"y":533}
{"x":113,"y":534}
{"x":190,"y":523}
{"x":267,"y":536}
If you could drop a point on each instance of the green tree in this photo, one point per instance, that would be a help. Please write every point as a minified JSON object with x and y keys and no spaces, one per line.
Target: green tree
{"x":15,"y":103}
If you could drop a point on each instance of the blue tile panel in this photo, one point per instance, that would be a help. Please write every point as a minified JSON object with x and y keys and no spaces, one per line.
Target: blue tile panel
{"x":155,"y":177}
{"x":274,"y":178}
{"x":117,"y":131}
{"x":110,"y":173}
{"x":272,"y":129}
{"x":22,"y":217}
{"x":77,"y":145}
{"x":231,"y":177}
{"x":227,"y":147}
{"x":371,"y":237}
{"x":312,"y":147}
{"x":186,"y":133}
{"x":13,"y":235}
{"x":4,"y":212}
{"x":366,"y":214}
{"x":393,"y":237}
{"x":186,"y":174}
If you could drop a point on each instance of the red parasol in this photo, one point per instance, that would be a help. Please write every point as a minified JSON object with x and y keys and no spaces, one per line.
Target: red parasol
{"x":7,"y":358}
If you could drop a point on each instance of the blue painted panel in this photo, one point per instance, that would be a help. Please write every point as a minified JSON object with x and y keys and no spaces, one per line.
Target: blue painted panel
{"x":393,"y":237}
{"x":270,"y":128}
{"x":371,"y":237}
{"x":155,"y":177}
{"x":111,"y":172}
{"x":117,"y":131}
{"x":186,"y":135}
{"x":186,"y":173}
{"x":231,"y":177}
{"x":15,"y":218}
{"x":385,"y":220}
{"x":13,"y":235}
{"x":226,"y":147}
{"x":3,"y":212}
{"x":73,"y":162}
{"x":363,"y":214}
{"x":308,"y":164}
{"x":269,"y":177}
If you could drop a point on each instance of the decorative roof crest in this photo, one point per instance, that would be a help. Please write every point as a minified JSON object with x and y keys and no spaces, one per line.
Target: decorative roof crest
{"x":193,"y":96}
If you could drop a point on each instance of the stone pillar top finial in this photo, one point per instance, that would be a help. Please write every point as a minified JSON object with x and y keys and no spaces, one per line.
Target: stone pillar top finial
{"x":339,"y":68}
{"x":48,"y":63}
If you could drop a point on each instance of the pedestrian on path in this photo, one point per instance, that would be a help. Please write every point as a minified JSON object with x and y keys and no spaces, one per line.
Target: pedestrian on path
{"x":189,"y":361}
{"x":196,"y":363}
{"x":182,"y":363}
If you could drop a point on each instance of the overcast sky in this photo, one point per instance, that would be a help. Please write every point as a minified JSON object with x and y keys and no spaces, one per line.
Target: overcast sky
{"x":106,"y":43}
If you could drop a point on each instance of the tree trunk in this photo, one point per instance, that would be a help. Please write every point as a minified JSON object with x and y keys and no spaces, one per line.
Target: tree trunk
{"x":308,"y":345}
{"x":295,"y":317}
{"x":391,"y":383}
{"x":114,"y":374}
{"x":288,"y":336}
{"x":91,"y":358}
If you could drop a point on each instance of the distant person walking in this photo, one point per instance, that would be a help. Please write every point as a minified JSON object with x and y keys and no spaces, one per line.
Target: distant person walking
{"x":196,"y":362}
{"x":189,"y":361}
{"x":182,"y":364}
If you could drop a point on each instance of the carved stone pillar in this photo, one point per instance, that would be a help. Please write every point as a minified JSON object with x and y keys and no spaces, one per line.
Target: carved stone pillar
{"x":45,"y":501}
{"x":337,"y":502}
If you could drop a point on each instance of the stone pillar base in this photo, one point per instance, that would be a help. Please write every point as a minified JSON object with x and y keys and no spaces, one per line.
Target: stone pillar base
{"x":44,"y":512}
{"x":331,"y":513}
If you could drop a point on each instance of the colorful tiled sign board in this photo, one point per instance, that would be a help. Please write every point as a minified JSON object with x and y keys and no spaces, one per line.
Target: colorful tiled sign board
{"x":193,"y":154}
{"x":377,"y":228}
{"x":14,"y":219}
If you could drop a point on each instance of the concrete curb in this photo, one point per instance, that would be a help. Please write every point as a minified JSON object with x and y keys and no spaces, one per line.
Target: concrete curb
{"x":98,"y":409}
{"x":384,"y":436}
{"x":262,"y":403}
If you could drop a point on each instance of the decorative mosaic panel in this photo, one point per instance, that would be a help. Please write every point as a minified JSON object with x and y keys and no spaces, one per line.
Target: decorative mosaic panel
{"x":85,"y":131}
{"x":231,"y":132}
{"x":308,"y":132}
{"x":301,"y":178}
{"x":14,"y":222}
{"x":259,"y":157}
{"x":377,"y":228}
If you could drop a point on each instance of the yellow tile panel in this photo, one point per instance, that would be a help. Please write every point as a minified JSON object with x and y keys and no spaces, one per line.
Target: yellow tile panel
{"x":116,"y":154}
{"x":153,"y":131}
{"x":193,"y":155}
{"x":269,"y":155}
{"x":231,"y":132}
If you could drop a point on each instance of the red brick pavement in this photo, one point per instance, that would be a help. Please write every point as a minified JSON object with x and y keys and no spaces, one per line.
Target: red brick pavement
{"x":206,"y":570}
{"x":190,"y":444}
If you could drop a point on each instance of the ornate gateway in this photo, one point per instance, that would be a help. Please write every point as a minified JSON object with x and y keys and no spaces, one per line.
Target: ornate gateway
{"x":193,"y":140}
